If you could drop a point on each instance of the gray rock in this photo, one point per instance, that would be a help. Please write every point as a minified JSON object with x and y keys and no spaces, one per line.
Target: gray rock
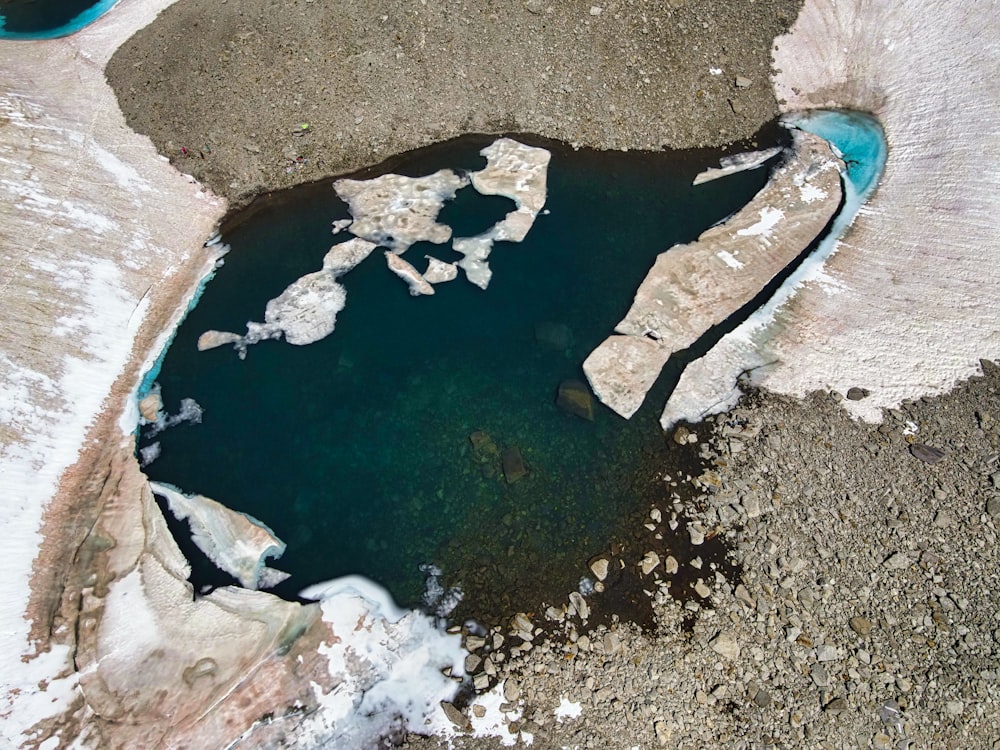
{"x":836,"y":706}
{"x":820,"y":676}
{"x":926,"y":453}
{"x":456,"y":717}
{"x":993,"y":507}
{"x":742,"y":82}
{"x":763,"y":698}
{"x":857,"y":394}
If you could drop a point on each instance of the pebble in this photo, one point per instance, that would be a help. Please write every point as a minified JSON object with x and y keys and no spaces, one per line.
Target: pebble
{"x":827,"y":653}
{"x":697,"y":533}
{"x":599,"y":567}
{"x":861,"y":625}
{"x":649,"y":562}
{"x":701,"y":589}
{"x":819,"y":675}
{"x":993,"y":507}
{"x":670,"y":565}
{"x":725,"y":644}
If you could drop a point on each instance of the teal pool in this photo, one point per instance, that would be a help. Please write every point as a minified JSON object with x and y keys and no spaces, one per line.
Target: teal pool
{"x":48,"y":19}
{"x":381,"y":448}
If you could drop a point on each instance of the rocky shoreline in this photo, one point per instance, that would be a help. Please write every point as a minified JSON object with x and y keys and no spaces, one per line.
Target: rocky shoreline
{"x":865,"y":614}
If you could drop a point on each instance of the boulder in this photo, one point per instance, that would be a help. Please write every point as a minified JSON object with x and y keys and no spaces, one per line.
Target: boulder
{"x":514,"y":467}
{"x":574,"y":397}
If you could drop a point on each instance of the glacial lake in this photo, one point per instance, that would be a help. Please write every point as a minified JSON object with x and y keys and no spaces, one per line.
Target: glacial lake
{"x":378,"y":449}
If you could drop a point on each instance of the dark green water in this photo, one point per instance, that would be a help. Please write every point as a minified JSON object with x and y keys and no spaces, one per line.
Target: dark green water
{"x":356,"y":450}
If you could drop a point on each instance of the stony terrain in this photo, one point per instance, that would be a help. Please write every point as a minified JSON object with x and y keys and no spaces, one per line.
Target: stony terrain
{"x":224,"y":88}
{"x":867,"y":613}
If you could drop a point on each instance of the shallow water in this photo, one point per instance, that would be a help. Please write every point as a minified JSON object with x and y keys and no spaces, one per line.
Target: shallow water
{"x":48,"y":19}
{"x":356,"y":449}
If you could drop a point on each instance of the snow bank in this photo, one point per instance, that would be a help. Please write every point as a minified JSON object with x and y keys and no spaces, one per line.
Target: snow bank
{"x":95,"y":231}
{"x":907,"y":305}
{"x":710,"y":384}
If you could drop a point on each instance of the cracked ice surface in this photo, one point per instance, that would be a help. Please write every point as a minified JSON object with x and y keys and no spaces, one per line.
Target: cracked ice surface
{"x":394,"y":211}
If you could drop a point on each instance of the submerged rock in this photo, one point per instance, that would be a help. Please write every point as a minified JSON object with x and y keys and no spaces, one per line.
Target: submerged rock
{"x":514,"y":467}
{"x":574,"y":397}
{"x":483,"y":445}
{"x":559,"y":336}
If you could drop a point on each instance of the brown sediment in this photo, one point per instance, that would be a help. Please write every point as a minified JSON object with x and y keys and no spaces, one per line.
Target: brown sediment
{"x":237,"y":81}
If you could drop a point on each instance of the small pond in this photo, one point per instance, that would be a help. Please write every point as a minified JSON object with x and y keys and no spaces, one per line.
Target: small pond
{"x":380,"y":448}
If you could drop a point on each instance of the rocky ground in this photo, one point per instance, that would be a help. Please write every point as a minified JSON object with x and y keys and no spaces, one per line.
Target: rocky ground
{"x":224,"y":88}
{"x":866,"y":612}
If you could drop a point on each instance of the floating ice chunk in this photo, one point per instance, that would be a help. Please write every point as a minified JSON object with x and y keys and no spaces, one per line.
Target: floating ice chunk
{"x":306,"y":311}
{"x":149,"y":454}
{"x":190,"y":412}
{"x":213,"y":339}
{"x":736,"y":163}
{"x":343,"y":257}
{"x":438,"y":600}
{"x":515,"y":171}
{"x":695,"y":286}
{"x":438,"y":271}
{"x":270,"y":577}
{"x":417,"y":283}
{"x":396,"y":211}
{"x":237,"y":543}
{"x":341,"y":224}
{"x":476,"y":250}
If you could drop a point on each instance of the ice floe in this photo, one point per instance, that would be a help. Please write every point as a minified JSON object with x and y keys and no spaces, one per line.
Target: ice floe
{"x":306,"y":311}
{"x":729,"y":165}
{"x":515,"y":171}
{"x":695,"y":286}
{"x":395,"y":211}
{"x":237,"y":543}
{"x":417,"y":283}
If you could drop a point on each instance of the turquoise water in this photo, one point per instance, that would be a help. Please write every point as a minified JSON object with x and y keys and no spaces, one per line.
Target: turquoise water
{"x":48,"y":19}
{"x":858,"y":138}
{"x":358,"y":450}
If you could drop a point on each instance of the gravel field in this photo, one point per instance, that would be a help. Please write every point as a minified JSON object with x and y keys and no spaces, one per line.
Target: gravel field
{"x":867,"y":612}
{"x":233,"y":82}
